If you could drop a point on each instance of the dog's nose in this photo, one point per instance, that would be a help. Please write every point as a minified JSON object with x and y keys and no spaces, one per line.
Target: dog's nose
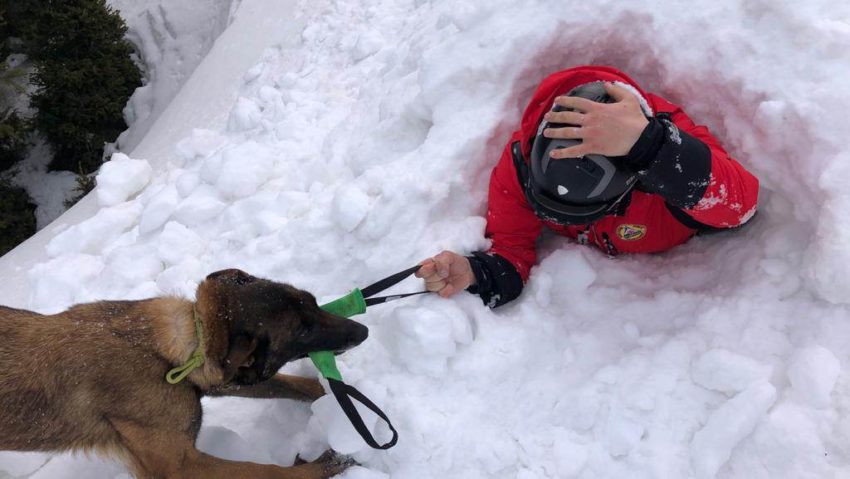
{"x":358,"y":334}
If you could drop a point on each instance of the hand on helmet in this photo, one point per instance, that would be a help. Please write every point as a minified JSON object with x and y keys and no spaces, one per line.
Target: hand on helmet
{"x":447,"y":273}
{"x":609,"y":129}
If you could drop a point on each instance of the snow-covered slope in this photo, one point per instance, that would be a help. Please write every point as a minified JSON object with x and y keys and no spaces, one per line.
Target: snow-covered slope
{"x":362,"y":143}
{"x":172,"y":38}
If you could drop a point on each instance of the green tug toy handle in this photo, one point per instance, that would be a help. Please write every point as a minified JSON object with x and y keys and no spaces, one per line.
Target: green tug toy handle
{"x":349,"y":305}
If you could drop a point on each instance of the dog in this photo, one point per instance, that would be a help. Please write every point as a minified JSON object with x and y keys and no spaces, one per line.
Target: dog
{"x":92,"y":378}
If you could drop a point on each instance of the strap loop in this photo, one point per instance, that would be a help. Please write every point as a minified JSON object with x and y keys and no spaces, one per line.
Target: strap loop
{"x":344,"y":393}
{"x":179,"y":373}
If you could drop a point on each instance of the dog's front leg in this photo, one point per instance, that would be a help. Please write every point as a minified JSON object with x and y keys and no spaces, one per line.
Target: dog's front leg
{"x":279,"y":386}
{"x":204,"y":466}
{"x":156,"y":452}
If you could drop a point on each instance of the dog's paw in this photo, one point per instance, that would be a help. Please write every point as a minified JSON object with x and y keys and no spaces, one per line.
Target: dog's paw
{"x":328,"y":464}
{"x":312,"y":389}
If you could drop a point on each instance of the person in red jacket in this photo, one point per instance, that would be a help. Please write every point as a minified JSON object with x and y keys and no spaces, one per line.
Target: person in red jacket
{"x":600,"y":161}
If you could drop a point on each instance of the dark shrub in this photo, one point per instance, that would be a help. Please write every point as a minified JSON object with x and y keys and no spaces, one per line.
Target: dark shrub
{"x":85,"y":184}
{"x":17,"y":216}
{"x":13,"y":144}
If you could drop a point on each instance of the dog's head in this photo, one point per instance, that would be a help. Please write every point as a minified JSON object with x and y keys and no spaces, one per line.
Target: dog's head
{"x":254,"y":326}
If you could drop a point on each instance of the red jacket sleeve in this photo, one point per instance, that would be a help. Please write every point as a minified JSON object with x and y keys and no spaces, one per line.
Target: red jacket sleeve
{"x":731,"y":195}
{"x":512,"y":225}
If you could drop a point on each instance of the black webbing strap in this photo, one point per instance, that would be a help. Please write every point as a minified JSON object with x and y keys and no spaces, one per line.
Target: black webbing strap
{"x":386,"y":283}
{"x":344,"y":393}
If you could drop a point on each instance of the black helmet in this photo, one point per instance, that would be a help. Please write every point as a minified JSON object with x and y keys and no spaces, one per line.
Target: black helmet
{"x":574,"y":191}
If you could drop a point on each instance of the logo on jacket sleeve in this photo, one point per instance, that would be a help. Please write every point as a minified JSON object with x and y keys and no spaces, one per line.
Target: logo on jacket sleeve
{"x":629,"y":232}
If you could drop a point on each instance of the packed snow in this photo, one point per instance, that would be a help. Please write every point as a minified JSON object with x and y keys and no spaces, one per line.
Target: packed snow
{"x":364,"y":146}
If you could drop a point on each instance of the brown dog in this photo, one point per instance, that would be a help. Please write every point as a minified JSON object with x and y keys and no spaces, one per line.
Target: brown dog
{"x":93,"y":377}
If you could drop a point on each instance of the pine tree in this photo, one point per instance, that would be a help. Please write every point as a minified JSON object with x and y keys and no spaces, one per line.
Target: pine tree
{"x":13,"y":129}
{"x":84,"y":76}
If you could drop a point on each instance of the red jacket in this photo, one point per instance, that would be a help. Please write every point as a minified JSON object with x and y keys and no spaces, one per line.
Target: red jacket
{"x":647,"y":225}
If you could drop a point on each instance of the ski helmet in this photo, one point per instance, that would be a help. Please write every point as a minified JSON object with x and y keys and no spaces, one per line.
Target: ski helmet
{"x":574,"y":191}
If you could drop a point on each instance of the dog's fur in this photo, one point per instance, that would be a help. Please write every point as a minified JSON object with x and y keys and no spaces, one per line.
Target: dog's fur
{"x":93,"y":377}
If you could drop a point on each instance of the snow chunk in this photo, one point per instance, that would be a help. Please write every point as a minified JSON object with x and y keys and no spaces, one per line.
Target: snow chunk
{"x":830,"y":252}
{"x":186,"y":183}
{"x":570,"y":458}
{"x":727,"y":372}
{"x":120,"y":178}
{"x":813,"y":373}
{"x":202,"y":205}
{"x":201,"y":144}
{"x":622,"y":434}
{"x":159,"y":209}
{"x":329,"y":420}
{"x":228,"y":444}
{"x":368,"y":43}
{"x":181,"y":279}
{"x":561,"y":275}
{"x":350,"y":206}
{"x":134,"y":264}
{"x":789,"y":444}
{"x":244,"y":168}
{"x":424,"y":339}
{"x":92,"y":235}
{"x":177,"y":242}
{"x":58,"y":283}
{"x":246,"y":115}
{"x":712,"y":445}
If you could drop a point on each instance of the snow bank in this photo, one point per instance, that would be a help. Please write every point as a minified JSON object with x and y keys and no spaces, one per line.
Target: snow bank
{"x":171,"y":39}
{"x":365,"y":145}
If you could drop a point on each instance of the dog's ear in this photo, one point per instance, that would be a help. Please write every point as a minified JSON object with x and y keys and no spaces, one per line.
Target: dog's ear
{"x":239,"y":350}
{"x":233,"y":276}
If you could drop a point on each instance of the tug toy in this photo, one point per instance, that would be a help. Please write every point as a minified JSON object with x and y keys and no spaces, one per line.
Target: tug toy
{"x":352,"y":304}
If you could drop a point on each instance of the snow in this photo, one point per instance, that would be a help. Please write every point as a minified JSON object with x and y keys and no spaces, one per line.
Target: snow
{"x":813,"y":372}
{"x":171,"y":39}
{"x":725,"y":371}
{"x":120,"y":178}
{"x":48,"y":190}
{"x":359,"y":142}
{"x":727,"y":426}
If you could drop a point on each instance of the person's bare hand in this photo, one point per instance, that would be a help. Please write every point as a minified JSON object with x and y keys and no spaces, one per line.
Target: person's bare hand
{"x":609,"y":129}
{"x":447,"y":273}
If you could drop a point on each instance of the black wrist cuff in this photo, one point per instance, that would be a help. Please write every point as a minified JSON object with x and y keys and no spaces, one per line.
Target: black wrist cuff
{"x":496,"y":280}
{"x":647,"y":146}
